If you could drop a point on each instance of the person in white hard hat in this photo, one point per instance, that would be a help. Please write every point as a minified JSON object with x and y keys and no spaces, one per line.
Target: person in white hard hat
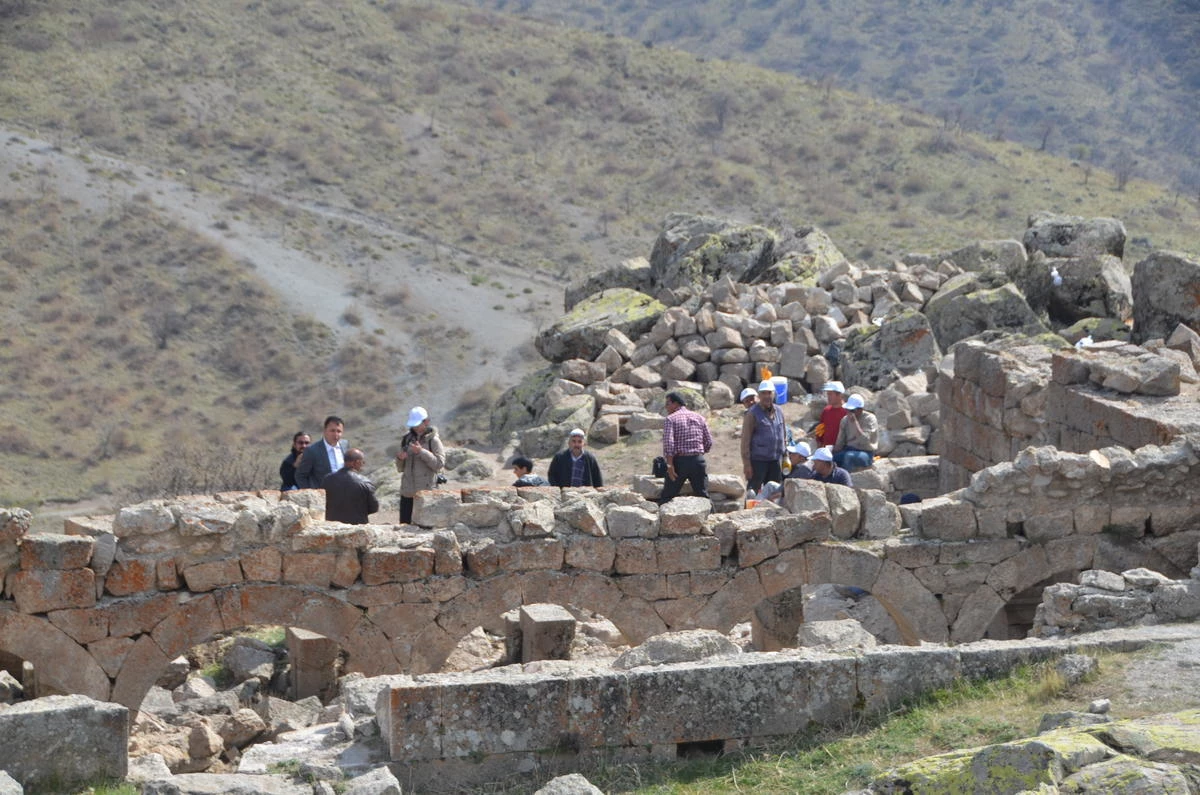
{"x":826,"y":471}
{"x":798,"y":455}
{"x":420,"y":458}
{"x":858,"y":437}
{"x":763,"y":439}
{"x":748,"y":397}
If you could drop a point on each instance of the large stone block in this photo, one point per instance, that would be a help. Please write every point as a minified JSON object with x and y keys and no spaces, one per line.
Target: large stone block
{"x":533,"y":554}
{"x":805,"y":496}
{"x":629,"y":521}
{"x":59,"y":741}
{"x":684,"y":516}
{"x":590,"y":553}
{"x":132,"y":575}
{"x":844,"y":510}
{"x":43,"y":590}
{"x":309,"y":568}
{"x":435,"y":508}
{"x":211,"y":575}
{"x":944,"y":518}
{"x":396,"y":564}
{"x":55,"y":551}
{"x":547,"y":631}
{"x":688,"y":553}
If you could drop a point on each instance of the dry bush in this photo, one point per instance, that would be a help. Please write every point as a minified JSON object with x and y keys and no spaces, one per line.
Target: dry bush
{"x":566,"y":96}
{"x":15,"y":439}
{"x":852,"y":136}
{"x":397,"y":296}
{"x":915,"y":184}
{"x":106,"y":27}
{"x":498,"y":117}
{"x":635,"y":115}
{"x":352,"y":316}
{"x":32,"y":41}
{"x":204,"y":469}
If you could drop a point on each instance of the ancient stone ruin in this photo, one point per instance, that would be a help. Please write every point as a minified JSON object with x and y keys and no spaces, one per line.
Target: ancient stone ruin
{"x":1057,"y":485}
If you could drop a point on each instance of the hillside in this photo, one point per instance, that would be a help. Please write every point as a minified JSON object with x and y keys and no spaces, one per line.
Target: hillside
{"x":345,"y":207}
{"x":1107,"y":82}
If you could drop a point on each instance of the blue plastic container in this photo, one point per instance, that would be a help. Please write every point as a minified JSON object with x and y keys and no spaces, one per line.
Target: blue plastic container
{"x":781,"y":389}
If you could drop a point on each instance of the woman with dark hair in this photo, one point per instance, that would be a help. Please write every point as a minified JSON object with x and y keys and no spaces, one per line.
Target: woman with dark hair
{"x":287,"y":470}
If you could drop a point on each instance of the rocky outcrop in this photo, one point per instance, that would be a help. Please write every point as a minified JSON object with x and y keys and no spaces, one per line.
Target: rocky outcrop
{"x":966,"y":307}
{"x":633,"y":274}
{"x":1166,"y":292}
{"x":1093,"y":286}
{"x":579,"y":334}
{"x":1139,"y":755}
{"x":875,"y":357}
{"x":693,"y":251}
{"x":800,"y":257}
{"x":1072,"y":236}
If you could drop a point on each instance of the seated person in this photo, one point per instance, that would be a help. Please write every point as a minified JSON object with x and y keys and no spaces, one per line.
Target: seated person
{"x":857,"y":438}
{"x":798,"y":455}
{"x":522,"y":467}
{"x":825,"y":471}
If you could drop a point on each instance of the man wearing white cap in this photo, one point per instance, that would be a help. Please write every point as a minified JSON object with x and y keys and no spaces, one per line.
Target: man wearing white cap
{"x":763,"y":439}
{"x":826,"y":471}
{"x":798,"y":455}
{"x":832,"y":414}
{"x":575,"y":466}
{"x":419,"y":460}
{"x":748,"y":397}
{"x":858,"y":438}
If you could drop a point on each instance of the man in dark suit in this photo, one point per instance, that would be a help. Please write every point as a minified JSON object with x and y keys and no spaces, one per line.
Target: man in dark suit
{"x":349,"y":497}
{"x":324,"y":457}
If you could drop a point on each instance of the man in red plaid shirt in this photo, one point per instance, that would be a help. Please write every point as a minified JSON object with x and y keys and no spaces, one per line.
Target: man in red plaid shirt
{"x":686,"y":439}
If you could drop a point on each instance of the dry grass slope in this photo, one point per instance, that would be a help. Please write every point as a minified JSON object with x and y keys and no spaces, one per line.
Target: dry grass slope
{"x":496,"y":138}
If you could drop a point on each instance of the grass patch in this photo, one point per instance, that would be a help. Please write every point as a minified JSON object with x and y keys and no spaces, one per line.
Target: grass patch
{"x":830,"y":760}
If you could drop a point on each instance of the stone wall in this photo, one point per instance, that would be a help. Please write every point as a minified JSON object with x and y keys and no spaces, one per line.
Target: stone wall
{"x":466,"y":727}
{"x":103,"y":608}
{"x":995,"y":402}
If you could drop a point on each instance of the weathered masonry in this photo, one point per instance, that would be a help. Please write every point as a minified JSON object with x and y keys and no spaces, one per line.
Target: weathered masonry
{"x":102,"y":608}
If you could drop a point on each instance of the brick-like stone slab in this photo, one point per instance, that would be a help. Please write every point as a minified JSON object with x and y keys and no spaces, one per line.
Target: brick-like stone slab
{"x":394,"y":564}
{"x":84,"y":626}
{"x":55,"y":551}
{"x":309,"y":568}
{"x":131,"y":576}
{"x":203,"y":577}
{"x":43,"y":590}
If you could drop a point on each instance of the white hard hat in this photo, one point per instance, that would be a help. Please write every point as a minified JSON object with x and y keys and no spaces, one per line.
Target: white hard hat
{"x":417,"y":416}
{"x":800,"y":448}
{"x":822,"y":454}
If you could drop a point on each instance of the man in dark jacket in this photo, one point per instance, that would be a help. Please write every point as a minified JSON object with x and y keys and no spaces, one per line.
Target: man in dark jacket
{"x":349,"y":497}
{"x":575,"y":466}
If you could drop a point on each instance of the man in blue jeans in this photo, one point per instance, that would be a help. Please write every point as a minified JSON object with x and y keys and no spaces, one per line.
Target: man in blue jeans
{"x":858,"y":437}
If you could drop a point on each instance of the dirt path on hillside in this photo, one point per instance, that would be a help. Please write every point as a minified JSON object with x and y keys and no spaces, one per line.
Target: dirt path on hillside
{"x":480,"y":314}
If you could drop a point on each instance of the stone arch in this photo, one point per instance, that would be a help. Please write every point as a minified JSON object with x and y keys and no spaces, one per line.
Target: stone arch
{"x":239,"y":606}
{"x":58,"y":659}
{"x":1013,"y":619}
